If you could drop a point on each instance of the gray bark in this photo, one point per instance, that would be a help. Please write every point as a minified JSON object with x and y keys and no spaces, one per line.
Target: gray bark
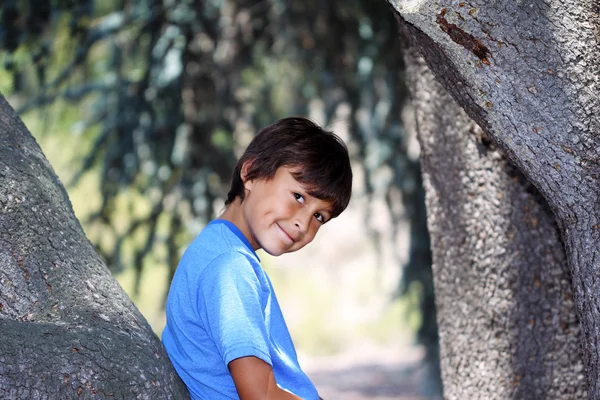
{"x":507,"y":321}
{"x":68,"y":329}
{"x":527,"y":72}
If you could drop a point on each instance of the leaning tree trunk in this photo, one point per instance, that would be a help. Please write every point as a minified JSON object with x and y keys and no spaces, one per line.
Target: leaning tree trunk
{"x":68,"y":330}
{"x":508,"y":328}
{"x":527,"y":72}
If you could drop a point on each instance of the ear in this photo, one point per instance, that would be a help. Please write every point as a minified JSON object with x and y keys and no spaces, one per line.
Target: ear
{"x":248,"y":184}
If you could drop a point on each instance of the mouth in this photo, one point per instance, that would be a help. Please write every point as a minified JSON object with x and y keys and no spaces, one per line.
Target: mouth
{"x":286,"y":234}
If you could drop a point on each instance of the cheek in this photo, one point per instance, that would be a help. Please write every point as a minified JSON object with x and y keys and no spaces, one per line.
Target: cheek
{"x":289,"y":206}
{"x":310,"y":235}
{"x":284,"y":209}
{"x":314,"y":228}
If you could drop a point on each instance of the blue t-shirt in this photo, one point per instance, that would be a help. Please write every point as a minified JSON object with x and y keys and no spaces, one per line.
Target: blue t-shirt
{"x":221,"y":306}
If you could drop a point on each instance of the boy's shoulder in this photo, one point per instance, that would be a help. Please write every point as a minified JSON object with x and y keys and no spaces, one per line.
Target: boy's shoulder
{"x":214,"y":258}
{"x":218,"y":242}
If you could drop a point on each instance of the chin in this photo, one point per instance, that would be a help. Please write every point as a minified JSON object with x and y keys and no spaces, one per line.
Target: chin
{"x":273,"y":250}
{"x":274,"y":253}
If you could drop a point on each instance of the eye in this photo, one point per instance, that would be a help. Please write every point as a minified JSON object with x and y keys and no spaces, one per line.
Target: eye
{"x":299,"y":198}
{"x":320,"y":218}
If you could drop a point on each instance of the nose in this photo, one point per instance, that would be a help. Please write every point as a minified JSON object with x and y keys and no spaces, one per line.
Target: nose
{"x":302,"y":222}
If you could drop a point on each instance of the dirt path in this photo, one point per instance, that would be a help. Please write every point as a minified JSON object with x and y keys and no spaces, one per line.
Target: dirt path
{"x":393,"y":372}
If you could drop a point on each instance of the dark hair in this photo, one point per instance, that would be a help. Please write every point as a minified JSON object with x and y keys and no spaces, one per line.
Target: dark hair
{"x":321,"y":156}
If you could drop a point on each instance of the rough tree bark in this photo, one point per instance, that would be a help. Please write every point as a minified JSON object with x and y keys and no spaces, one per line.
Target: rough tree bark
{"x":68,"y":329}
{"x":527,"y":72}
{"x":507,"y":321}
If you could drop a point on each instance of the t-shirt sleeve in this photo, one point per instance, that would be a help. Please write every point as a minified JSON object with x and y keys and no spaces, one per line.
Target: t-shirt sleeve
{"x":231,"y":308}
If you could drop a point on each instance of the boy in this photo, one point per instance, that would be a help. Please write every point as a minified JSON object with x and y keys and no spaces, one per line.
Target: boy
{"x":225,"y":333}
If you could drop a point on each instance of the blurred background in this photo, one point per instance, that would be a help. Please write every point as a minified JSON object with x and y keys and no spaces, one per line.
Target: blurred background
{"x":142,"y":108}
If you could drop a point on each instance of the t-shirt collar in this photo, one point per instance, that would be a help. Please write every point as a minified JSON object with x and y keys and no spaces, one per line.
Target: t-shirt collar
{"x":236,"y":231}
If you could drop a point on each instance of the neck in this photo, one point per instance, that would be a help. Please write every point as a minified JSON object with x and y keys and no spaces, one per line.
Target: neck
{"x":234,"y":214}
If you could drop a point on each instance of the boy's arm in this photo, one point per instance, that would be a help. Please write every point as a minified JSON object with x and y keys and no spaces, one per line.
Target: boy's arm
{"x":254,"y":380}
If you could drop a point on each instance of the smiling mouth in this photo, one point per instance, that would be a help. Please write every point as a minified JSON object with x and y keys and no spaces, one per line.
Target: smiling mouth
{"x":286,"y":234}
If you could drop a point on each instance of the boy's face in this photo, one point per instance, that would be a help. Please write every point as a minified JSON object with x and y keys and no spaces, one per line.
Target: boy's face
{"x":279,"y":215}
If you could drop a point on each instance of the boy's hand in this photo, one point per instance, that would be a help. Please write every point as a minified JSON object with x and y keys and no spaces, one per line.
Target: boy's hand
{"x":254,"y":380}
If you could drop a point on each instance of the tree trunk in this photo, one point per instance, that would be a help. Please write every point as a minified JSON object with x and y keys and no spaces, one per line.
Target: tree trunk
{"x":508,"y":327}
{"x":68,"y":329}
{"x":527,"y":72}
